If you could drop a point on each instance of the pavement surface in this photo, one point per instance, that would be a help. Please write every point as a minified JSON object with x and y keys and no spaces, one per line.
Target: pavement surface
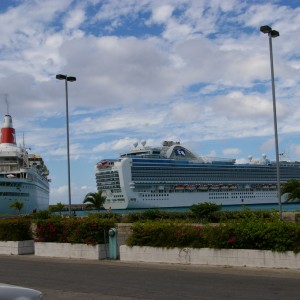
{"x":84,"y":279}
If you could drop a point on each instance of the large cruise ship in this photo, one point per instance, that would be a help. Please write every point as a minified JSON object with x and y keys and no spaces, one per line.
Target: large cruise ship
{"x":23,"y":176}
{"x":174,"y":176}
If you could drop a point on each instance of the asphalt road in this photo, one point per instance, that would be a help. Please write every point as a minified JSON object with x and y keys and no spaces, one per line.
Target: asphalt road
{"x":81,"y":279}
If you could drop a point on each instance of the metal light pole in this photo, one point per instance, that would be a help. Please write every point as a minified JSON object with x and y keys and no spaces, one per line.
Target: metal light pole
{"x":66,"y":79}
{"x":272,"y":34}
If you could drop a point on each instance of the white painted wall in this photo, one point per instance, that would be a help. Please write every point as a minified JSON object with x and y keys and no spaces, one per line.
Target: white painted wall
{"x":206,"y":256}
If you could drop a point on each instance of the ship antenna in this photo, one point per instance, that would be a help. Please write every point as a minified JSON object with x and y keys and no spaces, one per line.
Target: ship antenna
{"x":7,"y":103}
{"x":24,"y":146}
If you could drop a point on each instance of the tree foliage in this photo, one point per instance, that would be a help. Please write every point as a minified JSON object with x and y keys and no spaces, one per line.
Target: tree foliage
{"x":95,"y":200}
{"x":59,"y":207}
{"x":292,"y":189}
{"x":17,"y":229}
{"x":18,"y":205}
{"x":204,"y":211}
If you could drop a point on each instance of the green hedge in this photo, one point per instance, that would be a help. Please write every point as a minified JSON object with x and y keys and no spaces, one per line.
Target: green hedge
{"x":74,"y":230}
{"x":199,"y":213}
{"x":156,"y":214}
{"x":257,"y":233}
{"x":18,"y":229}
{"x":165,"y":234}
{"x":105,"y":215}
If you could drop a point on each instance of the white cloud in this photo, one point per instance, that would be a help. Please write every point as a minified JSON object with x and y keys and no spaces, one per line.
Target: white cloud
{"x":213,"y":153}
{"x":231,"y":151}
{"x":115,"y":145}
{"x":162,"y":13}
{"x":176,"y":31}
{"x":74,"y":19}
{"x":263,"y":14}
{"x":59,"y":193}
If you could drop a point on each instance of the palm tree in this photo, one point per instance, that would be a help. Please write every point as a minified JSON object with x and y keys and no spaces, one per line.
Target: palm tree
{"x":292,"y":189}
{"x":59,"y":207}
{"x":18,"y":205}
{"x":95,"y":200}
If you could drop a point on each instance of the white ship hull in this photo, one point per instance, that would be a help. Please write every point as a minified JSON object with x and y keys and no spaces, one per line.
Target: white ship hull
{"x":141,"y":180}
{"x":186,"y":199}
{"x":23,"y":176}
{"x":33,"y":193}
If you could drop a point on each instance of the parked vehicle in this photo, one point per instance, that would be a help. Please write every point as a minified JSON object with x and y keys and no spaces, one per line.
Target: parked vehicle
{"x":12,"y":292}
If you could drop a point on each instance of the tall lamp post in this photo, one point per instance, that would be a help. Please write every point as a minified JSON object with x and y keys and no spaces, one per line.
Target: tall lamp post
{"x":66,"y":79}
{"x":272,"y":34}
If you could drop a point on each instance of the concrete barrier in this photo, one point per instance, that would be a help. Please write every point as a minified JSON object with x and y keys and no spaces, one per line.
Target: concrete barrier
{"x":17,"y":247}
{"x":67,"y":250}
{"x":207,"y":256}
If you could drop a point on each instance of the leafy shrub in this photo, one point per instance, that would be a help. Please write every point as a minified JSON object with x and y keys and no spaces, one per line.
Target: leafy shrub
{"x":245,"y":214}
{"x":73,"y":230}
{"x":41,"y":215}
{"x":165,"y":234}
{"x":155,"y":214}
{"x":105,"y":215}
{"x":204,"y":212}
{"x":275,"y":235}
{"x":256,"y":233}
{"x":18,"y":229}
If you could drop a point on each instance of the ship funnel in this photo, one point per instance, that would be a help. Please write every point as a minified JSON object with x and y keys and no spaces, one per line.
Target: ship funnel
{"x":8,"y":135}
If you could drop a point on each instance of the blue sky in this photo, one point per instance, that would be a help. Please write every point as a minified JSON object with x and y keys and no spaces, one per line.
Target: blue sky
{"x":194,"y":71}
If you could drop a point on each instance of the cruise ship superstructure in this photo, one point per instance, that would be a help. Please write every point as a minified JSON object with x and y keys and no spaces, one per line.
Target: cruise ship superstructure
{"x":23,"y":176}
{"x":174,"y":176}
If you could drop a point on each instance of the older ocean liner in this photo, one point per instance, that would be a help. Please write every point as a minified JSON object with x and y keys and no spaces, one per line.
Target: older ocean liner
{"x":23,"y":176}
{"x":174,"y":176}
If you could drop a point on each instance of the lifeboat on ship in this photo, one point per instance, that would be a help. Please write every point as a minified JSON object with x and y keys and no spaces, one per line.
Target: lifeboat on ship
{"x":190,"y":187}
{"x":214,"y":187}
{"x":179,"y":187}
{"x":233,"y":187}
{"x":202,"y":187}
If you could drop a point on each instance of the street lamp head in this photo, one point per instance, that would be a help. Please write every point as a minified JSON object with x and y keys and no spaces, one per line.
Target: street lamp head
{"x":65,"y":77}
{"x":274,"y":33}
{"x":71,"y":78}
{"x":61,"y":77}
{"x":265,"y":29}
